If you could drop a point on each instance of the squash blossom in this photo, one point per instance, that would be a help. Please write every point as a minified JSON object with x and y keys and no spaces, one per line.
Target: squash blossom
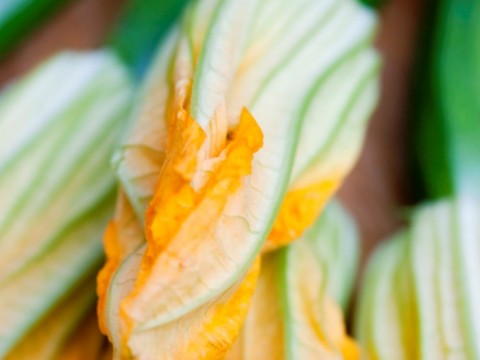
{"x":64,"y":116}
{"x":252,"y":114}
{"x":420,"y":296}
{"x":294,"y":312}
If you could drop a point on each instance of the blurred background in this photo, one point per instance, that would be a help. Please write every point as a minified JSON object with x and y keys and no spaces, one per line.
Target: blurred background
{"x":379,"y":185}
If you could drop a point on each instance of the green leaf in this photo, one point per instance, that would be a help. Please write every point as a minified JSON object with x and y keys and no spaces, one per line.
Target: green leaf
{"x":143,"y":24}
{"x":447,"y":124}
{"x":19,"y":17}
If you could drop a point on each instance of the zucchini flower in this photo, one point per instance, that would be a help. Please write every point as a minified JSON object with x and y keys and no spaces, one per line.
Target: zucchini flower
{"x":254,"y":110}
{"x":63,"y":117}
{"x":294,"y":312}
{"x":420,"y":298}
{"x":50,"y":338}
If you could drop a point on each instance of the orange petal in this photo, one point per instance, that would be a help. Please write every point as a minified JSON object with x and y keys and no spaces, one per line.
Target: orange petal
{"x":205,"y":333}
{"x":122,"y":235}
{"x":298,"y":211}
{"x":220,"y":332}
{"x":177,"y":201}
{"x":263,"y":331}
{"x":112,"y":251}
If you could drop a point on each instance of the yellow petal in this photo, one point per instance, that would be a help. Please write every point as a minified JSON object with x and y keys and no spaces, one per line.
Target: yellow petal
{"x":206,"y":333}
{"x":122,"y":235}
{"x":221,"y":330}
{"x":299,"y":209}
{"x":176,"y":201}
{"x":294,"y":314}
{"x":263,"y":331}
